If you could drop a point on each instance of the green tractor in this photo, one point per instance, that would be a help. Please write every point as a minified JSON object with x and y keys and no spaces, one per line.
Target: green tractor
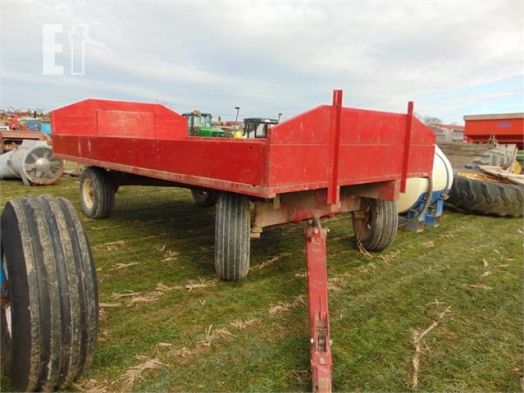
{"x":199,"y":124}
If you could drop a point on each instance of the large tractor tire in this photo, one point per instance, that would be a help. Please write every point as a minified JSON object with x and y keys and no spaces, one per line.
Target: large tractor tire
{"x":204,"y":198}
{"x":97,"y":192}
{"x":501,"y":155}
{"x":49,"y":309}
{"x":375,"y":224}
{"x":478,"y":193}
{"x":232,"y":240}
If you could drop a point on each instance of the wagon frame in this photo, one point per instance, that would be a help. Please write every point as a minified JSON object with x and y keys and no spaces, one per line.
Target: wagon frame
{"x":325,"y":161}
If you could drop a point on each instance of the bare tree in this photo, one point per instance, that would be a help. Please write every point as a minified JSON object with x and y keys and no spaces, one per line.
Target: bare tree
{"x":431,"y":120}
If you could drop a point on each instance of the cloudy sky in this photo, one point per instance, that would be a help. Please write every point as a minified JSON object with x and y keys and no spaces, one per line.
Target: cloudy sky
{"x":451,"y":57}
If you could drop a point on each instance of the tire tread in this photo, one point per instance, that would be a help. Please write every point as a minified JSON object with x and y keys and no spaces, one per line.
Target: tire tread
{"x":486,"y":197}
{"x":63,"y":300}
{"x":232,"y":241}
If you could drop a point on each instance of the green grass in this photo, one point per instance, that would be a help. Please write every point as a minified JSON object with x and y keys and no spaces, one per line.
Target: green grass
{"x":375,"y":302}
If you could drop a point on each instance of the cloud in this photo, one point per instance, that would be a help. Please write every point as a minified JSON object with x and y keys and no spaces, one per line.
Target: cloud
{"x":272,"y":56}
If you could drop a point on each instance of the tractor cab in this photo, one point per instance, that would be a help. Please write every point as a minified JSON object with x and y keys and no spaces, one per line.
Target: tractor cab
{"x":199,"y":124}
{"x":256,"y":127}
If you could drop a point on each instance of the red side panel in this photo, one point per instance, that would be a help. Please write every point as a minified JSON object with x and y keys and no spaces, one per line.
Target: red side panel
{"x":151,"y":140}
{"x":371,"y":147}
{"x":119,"y":119}
{"x":165,"y":158}
{"x":125,"y":124}
{"x":299,"y":150}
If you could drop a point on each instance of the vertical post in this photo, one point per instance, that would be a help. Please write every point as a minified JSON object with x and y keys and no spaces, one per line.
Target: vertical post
{"x":333,"y":187}
{"x":407,"y":145}
{"x":319,"y":333}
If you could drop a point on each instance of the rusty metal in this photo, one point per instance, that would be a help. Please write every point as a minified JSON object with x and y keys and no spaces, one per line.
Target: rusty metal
{"x":299,"y":206}
{"x":9,"y":140}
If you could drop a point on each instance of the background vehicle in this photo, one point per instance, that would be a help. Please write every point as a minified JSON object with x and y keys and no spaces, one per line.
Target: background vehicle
{"x":200,"y":124}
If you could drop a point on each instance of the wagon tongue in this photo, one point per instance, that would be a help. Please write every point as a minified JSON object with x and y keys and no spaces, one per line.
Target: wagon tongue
{"x":321,"y":362}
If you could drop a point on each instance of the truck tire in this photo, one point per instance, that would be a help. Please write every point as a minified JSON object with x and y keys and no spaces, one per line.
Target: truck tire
{"x":375,"y":230}
{"x":97,"y":192}
{"x":50,"y":304}
{"x":484,"y":195}
{"x":232,"y":240}
{"x":204,"y":198}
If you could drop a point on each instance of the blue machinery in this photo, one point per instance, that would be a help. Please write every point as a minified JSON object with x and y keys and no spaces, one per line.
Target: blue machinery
{"x":423,"y":202}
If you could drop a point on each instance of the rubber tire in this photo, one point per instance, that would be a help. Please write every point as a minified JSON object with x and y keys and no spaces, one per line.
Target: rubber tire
{"x":498,"y":156}
{"x":53,"y":294}
{"x":204,"y":198}
{"x":485,"y":197}
{"x":232,"y":236}
{"x":103,"y":192}
{"x":383,"y":224}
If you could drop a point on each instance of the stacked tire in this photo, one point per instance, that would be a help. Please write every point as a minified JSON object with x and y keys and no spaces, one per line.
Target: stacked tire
{"x":49,"y":298}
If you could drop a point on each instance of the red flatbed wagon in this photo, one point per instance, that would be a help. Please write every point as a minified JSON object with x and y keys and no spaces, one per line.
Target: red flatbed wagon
{"x":326,"y":161}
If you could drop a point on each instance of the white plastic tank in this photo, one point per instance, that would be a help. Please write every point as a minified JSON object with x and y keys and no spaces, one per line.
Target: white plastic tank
{"x":442,"y":179}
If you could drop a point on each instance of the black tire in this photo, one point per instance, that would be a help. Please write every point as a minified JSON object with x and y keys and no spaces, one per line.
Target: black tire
{"x":97,"y":192}
{"x":483,"y":196}
{"x":376,"y":226}
{"x":232,"y":240}
{"x":52,"y":301}
{"x":204,"y":198}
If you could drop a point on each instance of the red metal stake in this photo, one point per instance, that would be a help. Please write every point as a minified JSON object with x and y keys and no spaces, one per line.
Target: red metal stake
{"x":333,"y":188}
{"x":321,"y":361}
{"x":407,"y":145}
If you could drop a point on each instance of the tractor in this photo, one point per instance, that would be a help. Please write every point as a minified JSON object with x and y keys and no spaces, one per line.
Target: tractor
{"x":199,"y":124}
{"x":256,"y":127}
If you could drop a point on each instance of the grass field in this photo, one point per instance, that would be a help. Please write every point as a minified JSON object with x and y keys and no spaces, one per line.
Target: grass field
{"x":167,"y":323}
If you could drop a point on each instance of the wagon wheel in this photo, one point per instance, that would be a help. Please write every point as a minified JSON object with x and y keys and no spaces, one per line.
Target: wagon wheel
{"x":375,"y":223}
{"x":97,"y":192}
{"x":232,"y":240}
{"x":49,"y":312}
{"x":204,"y":198}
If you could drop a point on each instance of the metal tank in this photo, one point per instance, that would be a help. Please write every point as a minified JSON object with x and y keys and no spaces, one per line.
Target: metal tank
{"x":33,"y":162}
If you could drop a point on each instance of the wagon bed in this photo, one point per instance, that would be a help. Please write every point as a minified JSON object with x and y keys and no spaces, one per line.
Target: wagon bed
{"x":324,"y":148}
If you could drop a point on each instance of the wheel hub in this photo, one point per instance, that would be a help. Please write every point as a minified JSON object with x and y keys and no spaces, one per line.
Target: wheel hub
{"x":88,"y":193}
{"x":43,"y":164}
